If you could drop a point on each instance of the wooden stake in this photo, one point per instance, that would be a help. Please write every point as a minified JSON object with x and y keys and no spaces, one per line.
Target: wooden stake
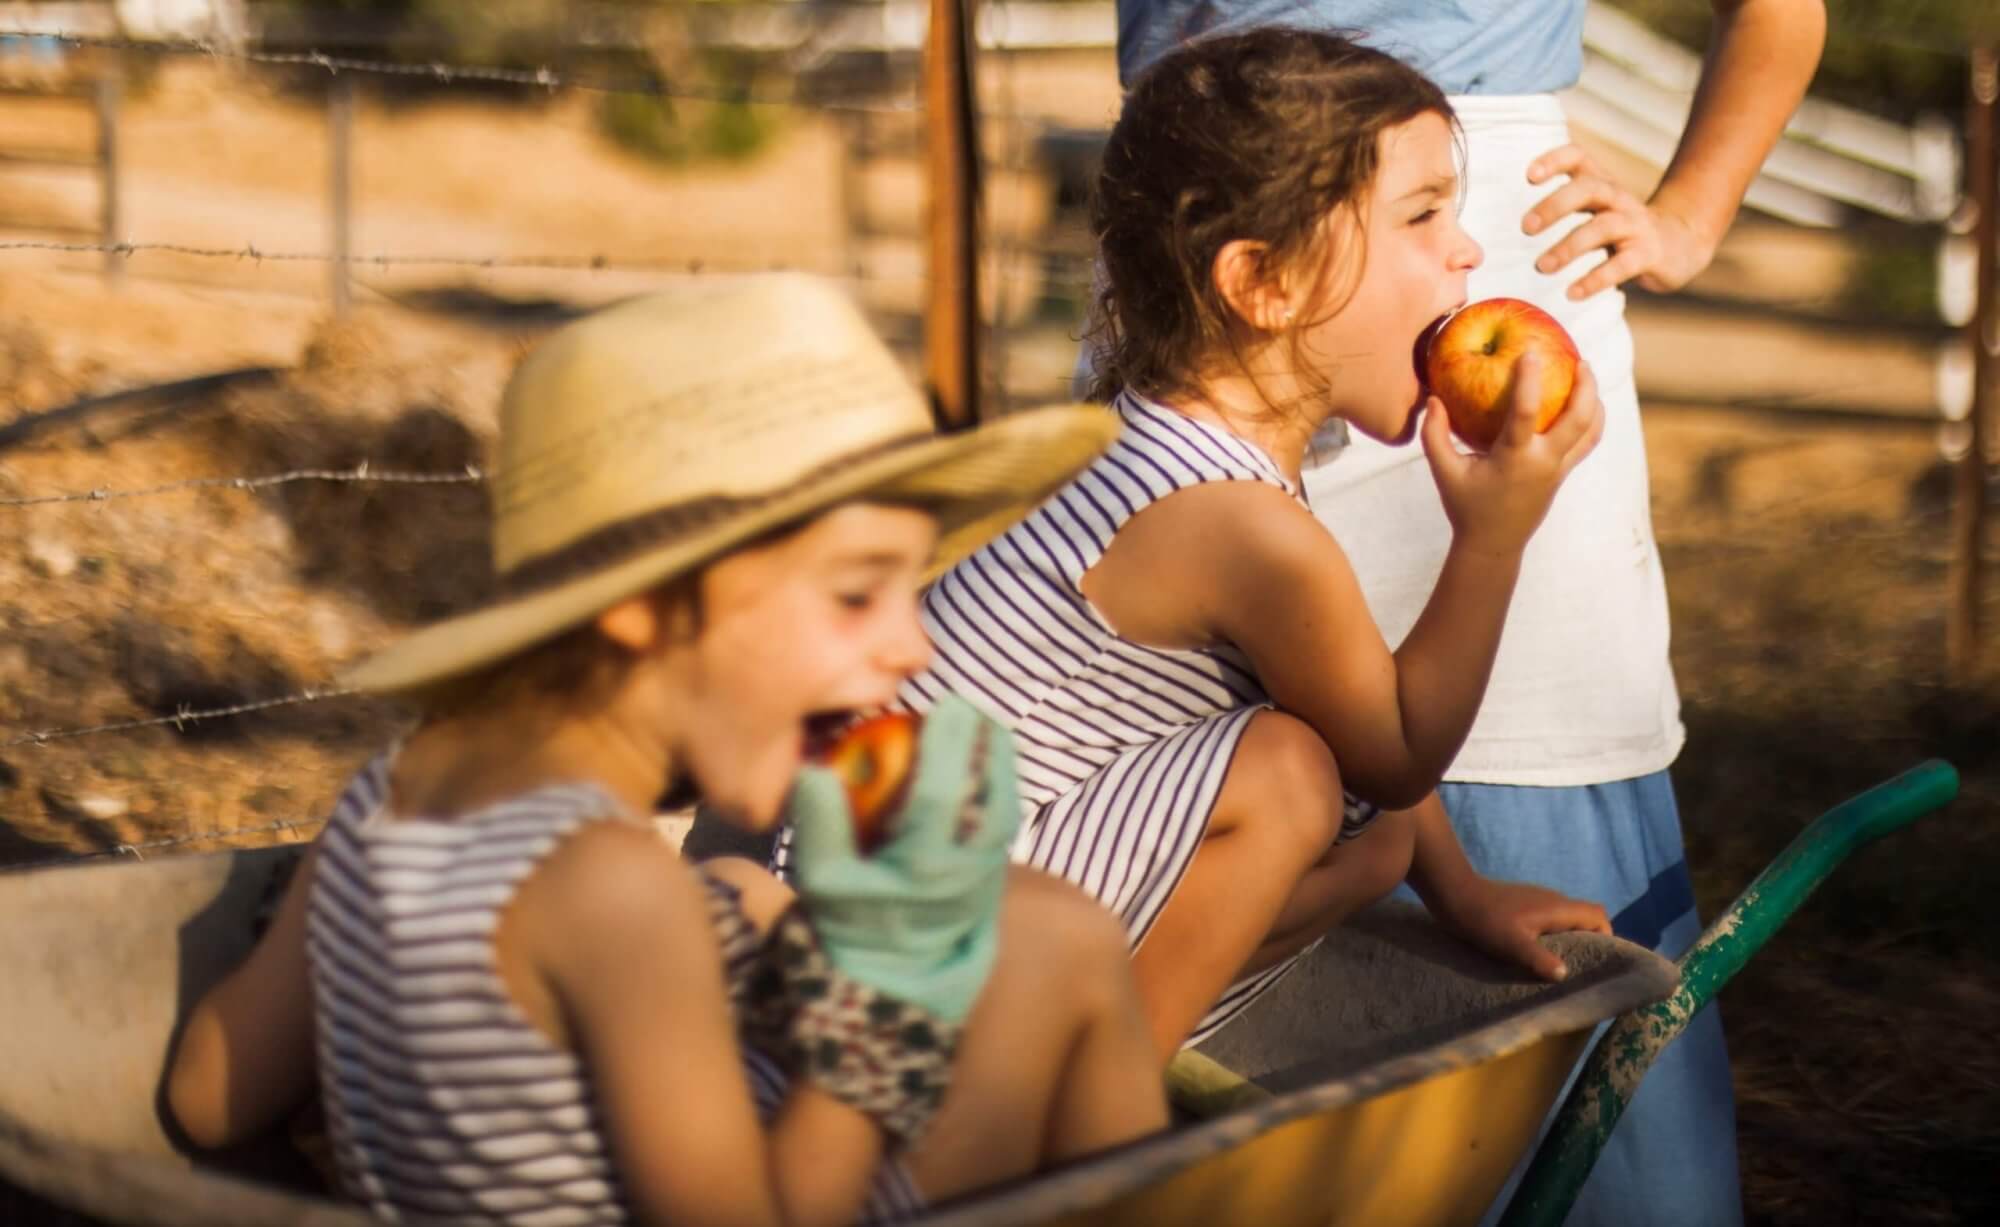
{"x":340,"y":144}
{"x":951,"y":315}
{"x":111,"y":222}
{"x":1969,"y":501}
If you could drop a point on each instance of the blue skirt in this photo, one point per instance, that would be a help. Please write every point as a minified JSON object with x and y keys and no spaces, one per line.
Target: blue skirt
{"x":1672,"y":1158}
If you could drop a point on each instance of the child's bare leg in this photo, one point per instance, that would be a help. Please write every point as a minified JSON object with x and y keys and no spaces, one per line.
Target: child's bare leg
{"x":1369,"y":867}
{"x":1268,"y":857}
{"x":1055,"y":1061}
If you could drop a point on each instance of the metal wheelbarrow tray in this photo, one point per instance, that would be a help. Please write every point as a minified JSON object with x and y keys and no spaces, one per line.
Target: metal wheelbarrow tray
{"x":1395,"y":1077}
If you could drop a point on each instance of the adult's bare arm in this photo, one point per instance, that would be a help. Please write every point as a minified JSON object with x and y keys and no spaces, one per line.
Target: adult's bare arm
{"x":1760,"y":59}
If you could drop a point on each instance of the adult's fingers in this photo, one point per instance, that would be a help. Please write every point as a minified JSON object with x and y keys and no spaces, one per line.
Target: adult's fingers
{"x":1607,"y":230}
{"x":1583,"y":195}
{"x":1562,"y":160}
{"x":1625,"y":263}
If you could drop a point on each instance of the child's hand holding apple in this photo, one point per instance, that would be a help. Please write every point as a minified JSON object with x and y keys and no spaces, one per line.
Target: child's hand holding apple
{"x":1506,"y":377}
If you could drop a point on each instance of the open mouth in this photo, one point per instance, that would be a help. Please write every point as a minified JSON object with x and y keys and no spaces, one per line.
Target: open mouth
{"x":822,"y":729}
{"x":1420,"y":352}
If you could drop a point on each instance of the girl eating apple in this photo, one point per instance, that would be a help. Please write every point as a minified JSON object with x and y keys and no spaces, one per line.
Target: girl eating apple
{"x":1214,"y":738}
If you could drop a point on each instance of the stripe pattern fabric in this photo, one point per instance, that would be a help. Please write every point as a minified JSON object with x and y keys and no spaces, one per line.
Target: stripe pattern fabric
{"x":1123,"y":748}
{"x":443,"y":1101}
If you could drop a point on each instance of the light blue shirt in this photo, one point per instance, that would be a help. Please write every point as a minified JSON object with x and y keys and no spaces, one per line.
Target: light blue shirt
{"x":1466,"y":46}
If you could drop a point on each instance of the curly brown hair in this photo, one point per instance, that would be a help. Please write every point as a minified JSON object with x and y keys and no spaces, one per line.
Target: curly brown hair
{"x":1257,"y":136}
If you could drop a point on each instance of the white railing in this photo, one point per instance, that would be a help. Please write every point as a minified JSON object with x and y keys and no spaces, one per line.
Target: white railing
{"x":1637,"y":87}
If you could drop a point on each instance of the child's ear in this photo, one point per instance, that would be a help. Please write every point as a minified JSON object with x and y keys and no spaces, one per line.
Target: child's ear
{"x":670,"y":614}
{"x":634,"y":623}
{"x":1246,"y":281}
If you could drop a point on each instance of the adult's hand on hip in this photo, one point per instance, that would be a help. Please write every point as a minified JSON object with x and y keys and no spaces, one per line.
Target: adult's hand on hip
{"x":1647,"y":241}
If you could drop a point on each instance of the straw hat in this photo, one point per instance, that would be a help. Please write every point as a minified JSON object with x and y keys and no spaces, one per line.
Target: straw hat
{"x":652,"y":437}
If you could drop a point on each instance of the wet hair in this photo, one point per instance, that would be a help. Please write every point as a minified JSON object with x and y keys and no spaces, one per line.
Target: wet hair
{"x":1255,"y":136}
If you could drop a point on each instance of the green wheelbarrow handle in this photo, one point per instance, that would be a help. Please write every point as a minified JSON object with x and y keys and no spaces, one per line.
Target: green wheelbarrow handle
{"x":1612,"y":1071}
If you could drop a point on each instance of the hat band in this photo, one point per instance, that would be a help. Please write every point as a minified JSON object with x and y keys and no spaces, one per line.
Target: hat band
{"x":623,"y":540}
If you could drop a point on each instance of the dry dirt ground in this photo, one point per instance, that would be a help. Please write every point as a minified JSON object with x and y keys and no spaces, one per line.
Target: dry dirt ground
{"x":1806,"y":558}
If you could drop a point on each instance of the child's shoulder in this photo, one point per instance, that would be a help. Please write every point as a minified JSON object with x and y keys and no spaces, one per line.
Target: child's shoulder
{"x":614,"y":865}
{"x":1197,"y":560}
{"x":1226,"y":519}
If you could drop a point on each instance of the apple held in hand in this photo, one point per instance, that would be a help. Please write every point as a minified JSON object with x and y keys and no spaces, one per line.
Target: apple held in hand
{"x":1469,"y":361}
{"x":874,"y":760}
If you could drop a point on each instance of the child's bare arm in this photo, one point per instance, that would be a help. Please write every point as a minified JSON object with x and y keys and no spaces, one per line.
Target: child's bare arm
{"x":1279,"y":587}
{"x":245,"y":1058}
{"x":620,"y":928}
{"x":1243,"y":563}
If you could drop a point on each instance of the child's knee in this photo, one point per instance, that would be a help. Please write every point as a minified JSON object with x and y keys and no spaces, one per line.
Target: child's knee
{"x":1284,"y":784}
{"x":1059,"y":933}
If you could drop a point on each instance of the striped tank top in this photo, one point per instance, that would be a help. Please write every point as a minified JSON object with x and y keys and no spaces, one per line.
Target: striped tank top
{"x":443,"y":1101}
{"x":1123,"y":748}
{"x":1011,"y":630}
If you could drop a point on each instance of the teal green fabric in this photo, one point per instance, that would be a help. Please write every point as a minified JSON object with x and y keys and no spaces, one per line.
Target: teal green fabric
{"x":920,"y":919}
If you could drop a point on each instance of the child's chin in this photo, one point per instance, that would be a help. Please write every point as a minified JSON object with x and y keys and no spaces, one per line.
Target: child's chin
{"x":753,"y":818}
{"x":1396,"y":431}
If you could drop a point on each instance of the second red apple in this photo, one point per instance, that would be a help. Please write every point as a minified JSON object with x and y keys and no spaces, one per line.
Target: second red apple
{"x":873,"y":760}
{"x":1469,"y":365}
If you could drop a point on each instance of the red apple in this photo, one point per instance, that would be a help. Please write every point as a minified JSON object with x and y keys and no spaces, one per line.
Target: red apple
{"x":1469,"y":365}
{"x":873,"y":760}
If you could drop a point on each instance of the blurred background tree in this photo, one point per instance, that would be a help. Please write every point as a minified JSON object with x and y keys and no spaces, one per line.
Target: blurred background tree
{"x":681,"y":101}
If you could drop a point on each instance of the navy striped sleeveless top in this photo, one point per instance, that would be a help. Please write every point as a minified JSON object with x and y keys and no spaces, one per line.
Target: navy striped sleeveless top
{"x":442,"y":1100}
{"x":1011,"y":631}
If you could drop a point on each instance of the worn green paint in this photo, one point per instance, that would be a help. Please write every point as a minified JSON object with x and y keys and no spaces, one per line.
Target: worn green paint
{"x":1629,"y":1046}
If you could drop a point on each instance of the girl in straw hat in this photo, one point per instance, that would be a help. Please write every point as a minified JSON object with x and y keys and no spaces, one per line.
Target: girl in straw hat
{"x":1206,"y":713}
{"x":711,"y":514}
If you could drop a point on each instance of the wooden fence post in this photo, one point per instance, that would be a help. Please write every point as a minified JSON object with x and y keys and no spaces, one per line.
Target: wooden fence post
{"x":1969,"y":503}
{"x":951,"y":316}
{"x":340,"y":141}
{"x":111,"y":222}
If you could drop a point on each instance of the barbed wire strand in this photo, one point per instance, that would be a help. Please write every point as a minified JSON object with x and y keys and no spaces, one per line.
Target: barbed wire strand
{"x":182,"y":718}
{"x":138,"y":849}
{"x":686,"y":265}
{"x":444,"y":73}
{"x":360,"y":473}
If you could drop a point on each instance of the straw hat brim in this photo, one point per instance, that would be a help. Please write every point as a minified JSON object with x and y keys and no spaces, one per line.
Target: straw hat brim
{"x":978,"y":483}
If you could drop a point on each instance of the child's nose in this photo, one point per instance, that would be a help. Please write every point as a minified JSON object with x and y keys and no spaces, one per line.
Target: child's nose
{"x":906,"y":648}
{"x":1470,"y":255}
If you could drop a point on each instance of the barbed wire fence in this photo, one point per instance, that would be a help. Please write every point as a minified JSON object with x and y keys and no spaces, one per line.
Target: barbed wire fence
{"x":1017,"y":144}
{"x":118,"y":248}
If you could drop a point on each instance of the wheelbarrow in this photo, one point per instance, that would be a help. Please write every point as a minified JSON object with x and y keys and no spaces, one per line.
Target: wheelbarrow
{"x":1393,"y":1078}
